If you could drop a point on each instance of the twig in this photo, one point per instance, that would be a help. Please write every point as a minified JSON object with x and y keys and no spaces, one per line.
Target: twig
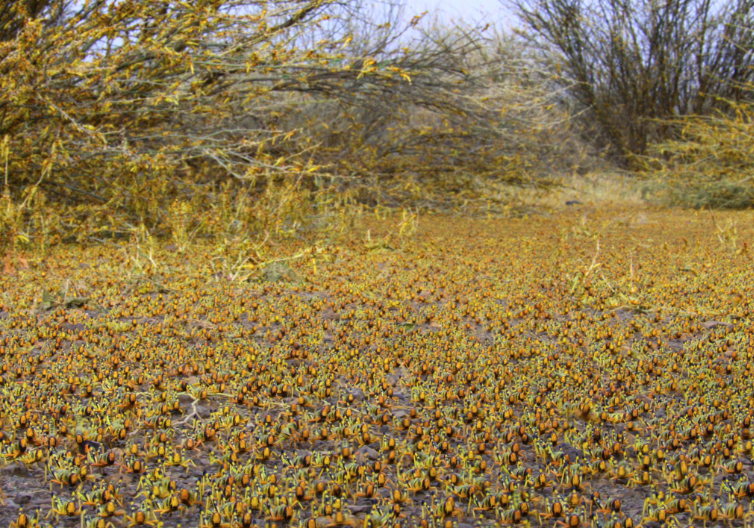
{"x":594,"y":263}
{"x":193,"y":413}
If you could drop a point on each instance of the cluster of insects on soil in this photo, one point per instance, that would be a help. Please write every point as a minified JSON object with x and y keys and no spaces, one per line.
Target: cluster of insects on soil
{"x":472,"y":379}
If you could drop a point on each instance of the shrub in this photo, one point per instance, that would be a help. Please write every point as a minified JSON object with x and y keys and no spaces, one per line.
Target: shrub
{"x":633,"y":65}
{"x":710,"y":164}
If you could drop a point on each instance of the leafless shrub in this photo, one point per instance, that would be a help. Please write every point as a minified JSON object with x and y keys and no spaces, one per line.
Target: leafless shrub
{"x":478,"y":109}
{"x":633,"y":65}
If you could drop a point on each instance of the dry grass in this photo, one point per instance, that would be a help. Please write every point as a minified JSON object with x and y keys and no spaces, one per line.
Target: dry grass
{"x":576,"y":192}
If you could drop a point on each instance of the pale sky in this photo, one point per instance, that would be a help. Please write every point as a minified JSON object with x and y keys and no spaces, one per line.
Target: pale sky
{"x":466,"y":9}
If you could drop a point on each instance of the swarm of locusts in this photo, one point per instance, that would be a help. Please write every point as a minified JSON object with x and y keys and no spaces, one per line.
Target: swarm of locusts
{"x":578,"y":370}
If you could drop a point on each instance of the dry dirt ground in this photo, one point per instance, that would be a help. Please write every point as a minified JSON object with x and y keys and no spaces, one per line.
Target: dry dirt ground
{"x":588,"y":368}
